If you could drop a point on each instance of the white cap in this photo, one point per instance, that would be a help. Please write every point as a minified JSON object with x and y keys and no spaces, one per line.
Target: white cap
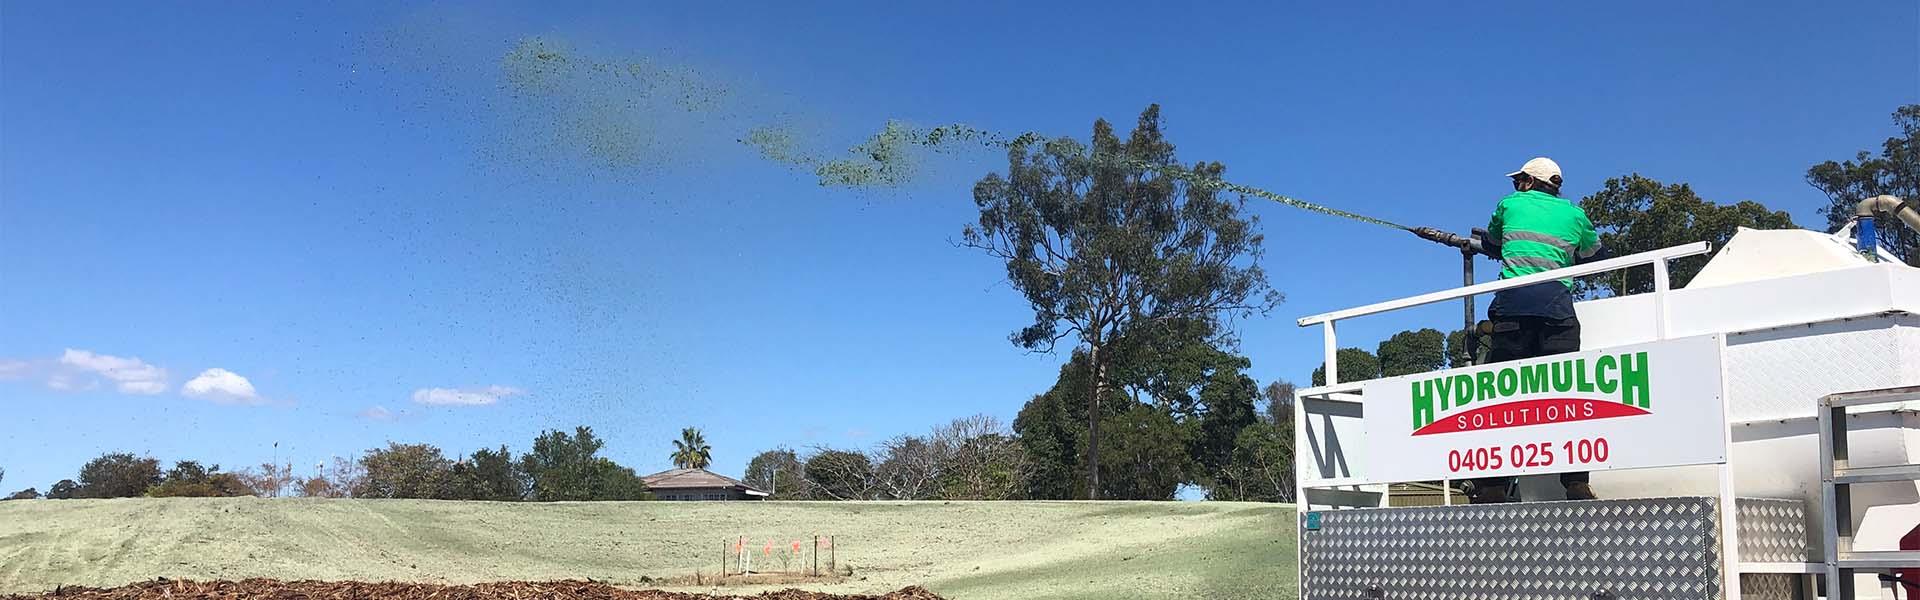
{"x":1540,"y":168}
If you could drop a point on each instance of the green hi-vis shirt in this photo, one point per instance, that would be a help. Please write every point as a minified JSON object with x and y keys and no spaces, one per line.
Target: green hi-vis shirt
{"x":1539,"y":232}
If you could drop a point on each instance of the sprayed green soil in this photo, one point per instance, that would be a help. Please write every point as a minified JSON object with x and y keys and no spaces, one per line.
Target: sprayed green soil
{"x":962,"y":550}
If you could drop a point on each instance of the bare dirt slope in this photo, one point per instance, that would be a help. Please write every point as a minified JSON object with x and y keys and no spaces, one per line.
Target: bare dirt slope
{"x":960,"y":550}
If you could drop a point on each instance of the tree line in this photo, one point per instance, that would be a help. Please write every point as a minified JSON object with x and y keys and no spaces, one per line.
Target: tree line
{"x":559,"y":466}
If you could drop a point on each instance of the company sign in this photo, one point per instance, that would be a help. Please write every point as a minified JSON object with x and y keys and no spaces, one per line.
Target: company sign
{"x":1648,"y":405}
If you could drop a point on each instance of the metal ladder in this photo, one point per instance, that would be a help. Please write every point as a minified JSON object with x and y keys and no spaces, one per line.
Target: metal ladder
{"x":1837,"y":478}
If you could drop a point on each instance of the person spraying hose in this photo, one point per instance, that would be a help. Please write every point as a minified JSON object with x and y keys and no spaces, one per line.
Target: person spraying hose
{"x":1534,"y":230}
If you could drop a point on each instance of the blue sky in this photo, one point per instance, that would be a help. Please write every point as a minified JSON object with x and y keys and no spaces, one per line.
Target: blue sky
{"x":318,"y":226}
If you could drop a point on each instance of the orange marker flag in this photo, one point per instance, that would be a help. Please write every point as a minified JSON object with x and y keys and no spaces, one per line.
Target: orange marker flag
{"x":768,"y":551}
{"x":796,"y":545}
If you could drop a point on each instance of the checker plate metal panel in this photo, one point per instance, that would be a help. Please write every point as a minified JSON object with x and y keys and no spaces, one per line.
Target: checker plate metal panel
{"x":1767,"y":586}
{"x":1781,"y":373}
{"x":1646,"y":549}
{"x":1773,"y":531}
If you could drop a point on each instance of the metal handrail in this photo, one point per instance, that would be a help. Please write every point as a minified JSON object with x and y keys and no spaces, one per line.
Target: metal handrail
{"x":1657,"y":258}
{"x":1611,"y":264}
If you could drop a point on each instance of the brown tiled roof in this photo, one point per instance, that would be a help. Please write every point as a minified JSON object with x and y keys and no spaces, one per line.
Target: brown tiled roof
{"x":693,"y":478}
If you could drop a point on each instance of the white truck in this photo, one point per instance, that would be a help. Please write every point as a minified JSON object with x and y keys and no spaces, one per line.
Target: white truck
{"x":1753,"y":435}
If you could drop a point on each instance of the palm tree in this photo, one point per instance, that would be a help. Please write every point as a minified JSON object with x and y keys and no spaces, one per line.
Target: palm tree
{"x":691,"y":450}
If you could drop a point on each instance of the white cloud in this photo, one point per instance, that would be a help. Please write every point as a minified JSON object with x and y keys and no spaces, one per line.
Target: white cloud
{"x":131,"y":375}
{"x":464,"y":396}
{"x":377,"y":413}
{"x":68,"y":382}
{"x":223,"y":386}
{"x":11,"y":369}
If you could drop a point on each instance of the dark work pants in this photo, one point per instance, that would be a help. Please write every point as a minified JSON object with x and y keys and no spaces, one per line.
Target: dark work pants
{"x":1515,"y":338}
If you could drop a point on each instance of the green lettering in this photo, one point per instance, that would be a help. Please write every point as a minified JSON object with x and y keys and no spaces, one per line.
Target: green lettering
{"x":1444,"y":384}
{"x":1509,"y":382}
{"x":1462,"y":390}
{"x":1422,"y":403}
{"x":1485,"y":379}
{"x":1580,"y":381}
{"x":1563,"y":376}
{"x":1533,"y":378}
{"x":1608,"y":384}
{"x":1633,"y":380}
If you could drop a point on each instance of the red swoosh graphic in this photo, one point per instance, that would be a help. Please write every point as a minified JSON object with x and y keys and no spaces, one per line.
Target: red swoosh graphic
{"x":1530,"y":412}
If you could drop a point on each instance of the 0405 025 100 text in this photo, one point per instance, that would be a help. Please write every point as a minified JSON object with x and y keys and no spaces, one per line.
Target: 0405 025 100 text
{"x":1534,"y":455}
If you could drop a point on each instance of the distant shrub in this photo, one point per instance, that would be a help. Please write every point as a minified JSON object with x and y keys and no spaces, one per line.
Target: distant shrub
{"x":404,"y":471}
{"x":189,"y":479}
{"x":66,"y":489}
{"x":118,"y":475}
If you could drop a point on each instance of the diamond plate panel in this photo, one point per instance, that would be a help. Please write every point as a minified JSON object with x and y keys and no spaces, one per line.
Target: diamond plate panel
{"x":1780,"y":373}
{"x":1767,"y":586}
{"x":1652,"y":549}
{"x":1649,"y":548}
{"x":1773,"y":531}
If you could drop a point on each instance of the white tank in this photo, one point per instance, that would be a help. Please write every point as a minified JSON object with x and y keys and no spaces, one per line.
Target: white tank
{"x":1805,"y":316}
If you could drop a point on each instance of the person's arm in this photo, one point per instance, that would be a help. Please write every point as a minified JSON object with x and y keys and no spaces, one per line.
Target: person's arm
{"x":1589,"y":249}
{"x":1496,"y":234}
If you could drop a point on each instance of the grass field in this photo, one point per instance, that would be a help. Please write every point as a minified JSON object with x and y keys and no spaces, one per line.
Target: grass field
{"x":962,"y":550}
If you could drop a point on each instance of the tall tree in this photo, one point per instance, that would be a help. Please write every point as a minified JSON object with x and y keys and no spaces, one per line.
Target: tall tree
{"x":1261,"y":468}
{"x":1106,"y":240}
{"x":1149,"y":457}
{"x":842,"y":475}
{"x":1229,"y":398}
{"x":487,"y":475}
{"x":1410,"y":352}
{"x":983,"y":460}
{"x":1895,"y":171}
{"x":779,"y":472}
{"x":1052,"y":429}
{"x":1048,"y":428}
{"x":691,"y":450}
{"x":568,"y":467}
{"x":1277,"y":400}
{"x":118,"y":475}
{"x":1636,"y":214}
{"x":1355,"y":365}
{"x":404,"y":471}
{"x":908,"y":467}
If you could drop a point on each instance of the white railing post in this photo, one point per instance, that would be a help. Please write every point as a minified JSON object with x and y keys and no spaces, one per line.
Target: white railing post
{"x":1333,"y":355}
{"x":1730,"y":558}
{"x":1660,"y":286}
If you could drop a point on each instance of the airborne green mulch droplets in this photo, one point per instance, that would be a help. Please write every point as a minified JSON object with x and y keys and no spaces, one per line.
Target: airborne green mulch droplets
{"x":620,"y":114}
{"x":889,"y":159}
{"x":614,"y":114}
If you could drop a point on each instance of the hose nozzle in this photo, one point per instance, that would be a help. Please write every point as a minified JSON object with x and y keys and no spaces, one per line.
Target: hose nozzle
{"x":1445,"y":238}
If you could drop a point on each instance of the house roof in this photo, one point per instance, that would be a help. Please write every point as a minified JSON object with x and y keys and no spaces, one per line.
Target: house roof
{"x":695,"y":478}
